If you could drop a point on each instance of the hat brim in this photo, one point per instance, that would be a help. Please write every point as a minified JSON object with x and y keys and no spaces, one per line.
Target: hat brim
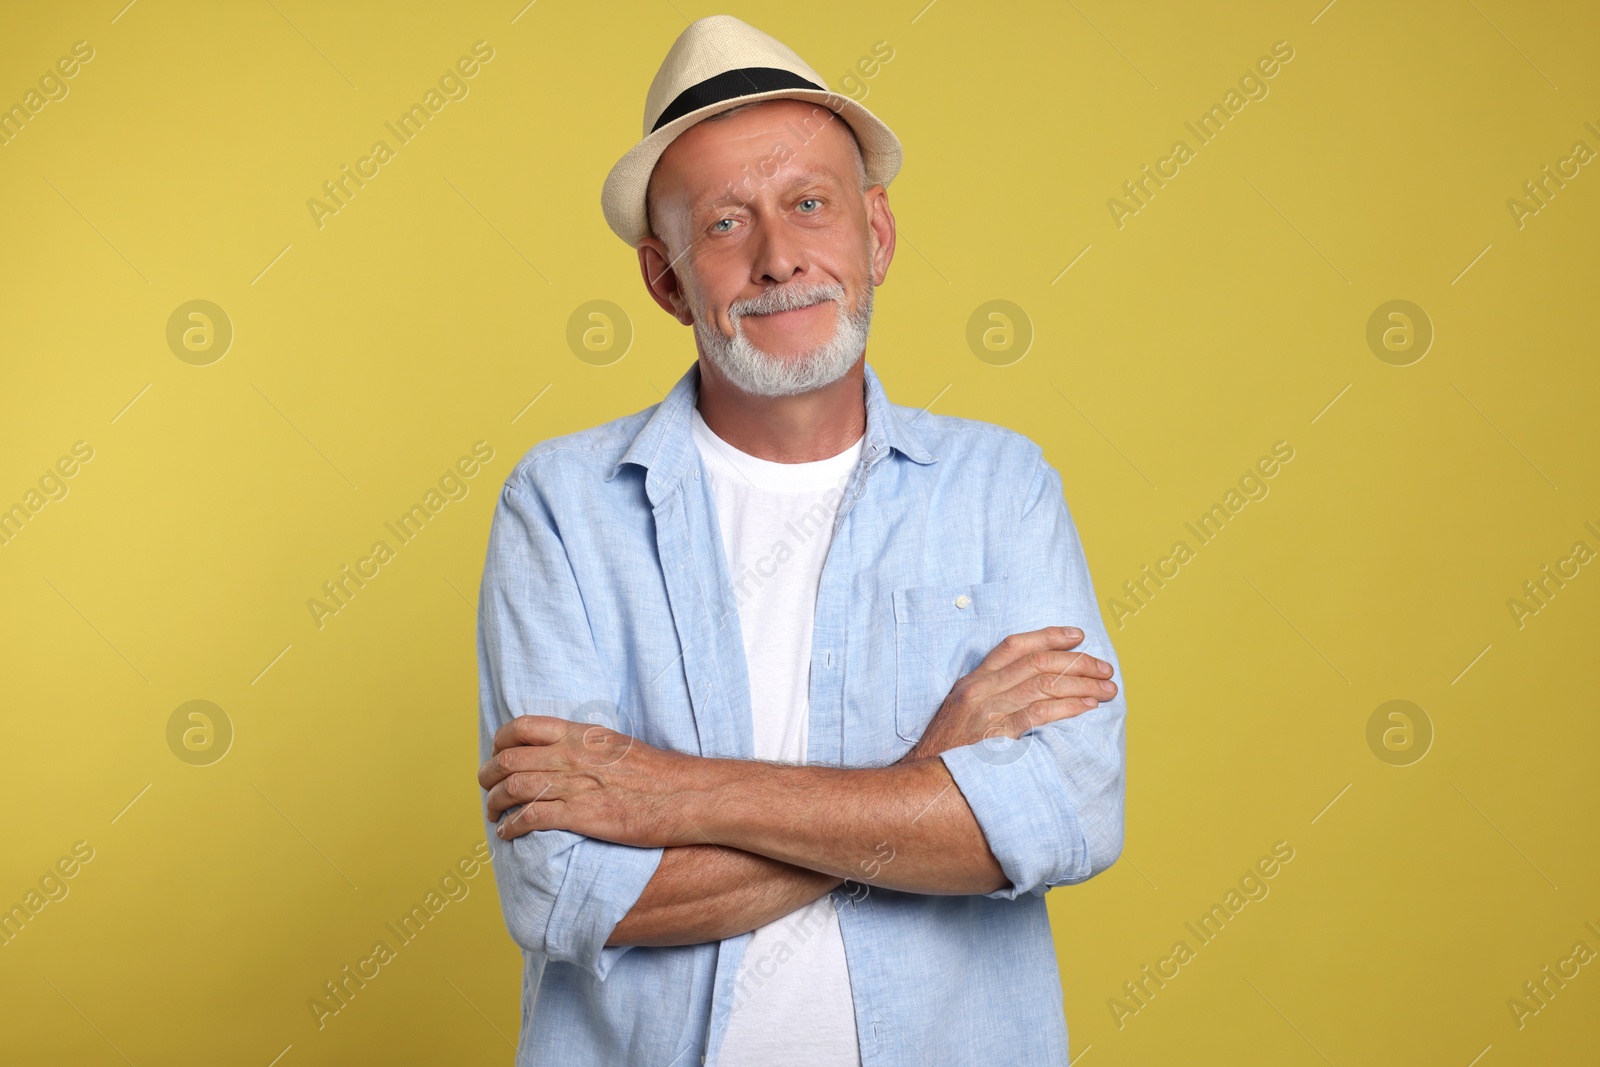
{"x":623,"y":196}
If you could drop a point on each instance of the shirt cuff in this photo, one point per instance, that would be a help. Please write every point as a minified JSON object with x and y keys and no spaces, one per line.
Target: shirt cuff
{"x":602,"y":883}
{"x":1015,"y":791}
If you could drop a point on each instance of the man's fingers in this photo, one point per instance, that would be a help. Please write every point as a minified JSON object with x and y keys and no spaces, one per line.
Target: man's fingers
{"x":508,"y":761}
{"x":510,"y":827}
{"x":1041,"y":712}
{"x":1051,"y":638}
{"x":531,"y":817}
{"x":522,"y":787}
{"x":547,"y":814}
{"x":1050,"y":663}
{"x":1056,"y":686}
{"x":531,"y":730}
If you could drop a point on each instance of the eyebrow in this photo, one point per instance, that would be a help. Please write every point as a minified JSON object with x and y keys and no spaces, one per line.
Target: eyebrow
{"x":708,"y":201}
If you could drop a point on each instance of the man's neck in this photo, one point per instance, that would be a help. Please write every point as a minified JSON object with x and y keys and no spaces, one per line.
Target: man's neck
{"x":786,"y":429}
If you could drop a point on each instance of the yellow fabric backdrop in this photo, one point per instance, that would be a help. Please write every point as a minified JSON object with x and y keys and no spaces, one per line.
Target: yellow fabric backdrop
{"x":217,"y":396}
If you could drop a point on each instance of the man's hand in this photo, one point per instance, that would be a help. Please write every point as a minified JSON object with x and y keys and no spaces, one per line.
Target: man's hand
{"x":585,"y":778}
{"x":1028,"y":680}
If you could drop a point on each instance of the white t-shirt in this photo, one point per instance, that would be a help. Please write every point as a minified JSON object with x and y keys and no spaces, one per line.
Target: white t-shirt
{"x":792,"y":1002}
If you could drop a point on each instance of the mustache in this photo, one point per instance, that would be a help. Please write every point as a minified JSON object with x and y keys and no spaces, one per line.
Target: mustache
{"x":786,"y":298}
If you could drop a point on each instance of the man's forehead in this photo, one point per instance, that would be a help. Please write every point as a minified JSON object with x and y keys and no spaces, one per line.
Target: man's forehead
{"x":761,"y":145}
{"x":730,"y":192}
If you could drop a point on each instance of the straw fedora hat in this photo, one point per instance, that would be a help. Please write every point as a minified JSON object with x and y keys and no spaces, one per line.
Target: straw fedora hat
{"x":716,"y":64}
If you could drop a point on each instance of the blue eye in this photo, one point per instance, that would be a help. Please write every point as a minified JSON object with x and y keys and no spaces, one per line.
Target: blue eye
{"x":810,"y":200}
{"x":719,"y":222}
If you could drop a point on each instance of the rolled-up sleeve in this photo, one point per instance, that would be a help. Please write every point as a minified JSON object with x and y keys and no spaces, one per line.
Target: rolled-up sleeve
{"x":562,"y":893}
{"x":1051,"y":804}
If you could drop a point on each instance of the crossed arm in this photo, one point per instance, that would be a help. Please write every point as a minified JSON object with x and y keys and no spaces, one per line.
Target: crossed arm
{"x":745,"y":842}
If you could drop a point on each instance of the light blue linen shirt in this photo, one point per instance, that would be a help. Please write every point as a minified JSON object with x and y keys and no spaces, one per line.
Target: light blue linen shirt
{"x":606,"y":598}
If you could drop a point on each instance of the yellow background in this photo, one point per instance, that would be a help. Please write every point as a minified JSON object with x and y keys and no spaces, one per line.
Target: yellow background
{"x":369,"y":354}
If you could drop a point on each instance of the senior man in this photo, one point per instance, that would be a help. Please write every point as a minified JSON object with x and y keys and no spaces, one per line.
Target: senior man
{"x":794,"y":701}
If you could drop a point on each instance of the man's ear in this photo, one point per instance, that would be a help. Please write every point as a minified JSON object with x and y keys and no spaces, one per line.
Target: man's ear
{"x":880,"y":229}
{"x":655,"y":265}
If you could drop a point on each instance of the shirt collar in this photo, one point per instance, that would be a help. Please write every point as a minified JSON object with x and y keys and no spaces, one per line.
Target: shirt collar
{"x":665,"y":449}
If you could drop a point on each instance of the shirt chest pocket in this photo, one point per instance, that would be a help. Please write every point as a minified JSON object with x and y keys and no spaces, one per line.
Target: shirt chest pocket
{"x":941,"y":632}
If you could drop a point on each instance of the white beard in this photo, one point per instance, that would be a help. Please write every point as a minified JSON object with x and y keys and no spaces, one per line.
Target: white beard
{"x":761,"y":374}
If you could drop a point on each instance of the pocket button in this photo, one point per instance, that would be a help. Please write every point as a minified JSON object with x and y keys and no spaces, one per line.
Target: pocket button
{"x":963,"y":601}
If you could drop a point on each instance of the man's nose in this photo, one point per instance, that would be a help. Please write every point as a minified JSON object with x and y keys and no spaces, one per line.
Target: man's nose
{"x":779,"y":254}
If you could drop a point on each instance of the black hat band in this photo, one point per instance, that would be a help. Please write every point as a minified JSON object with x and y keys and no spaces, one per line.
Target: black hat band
{"x":729,"y":85}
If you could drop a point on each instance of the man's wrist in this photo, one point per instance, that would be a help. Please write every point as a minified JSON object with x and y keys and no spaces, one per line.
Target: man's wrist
{"x":701,"y":788}
{"x":715,"y":796}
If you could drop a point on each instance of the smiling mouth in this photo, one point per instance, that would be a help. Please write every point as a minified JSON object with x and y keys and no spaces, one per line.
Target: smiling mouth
{"x":786,"y":311}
